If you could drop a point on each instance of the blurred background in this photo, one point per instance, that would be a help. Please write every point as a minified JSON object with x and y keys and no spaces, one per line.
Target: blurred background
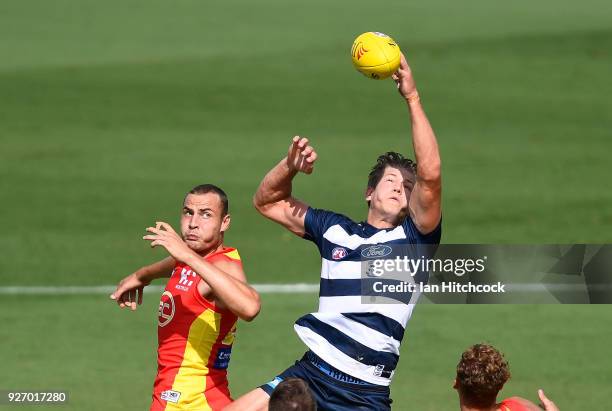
{"x":110,"y":111}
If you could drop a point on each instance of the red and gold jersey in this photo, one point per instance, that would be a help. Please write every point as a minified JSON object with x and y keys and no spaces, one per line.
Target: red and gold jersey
{"x":194,"y":343}
{"x":512,"y":404}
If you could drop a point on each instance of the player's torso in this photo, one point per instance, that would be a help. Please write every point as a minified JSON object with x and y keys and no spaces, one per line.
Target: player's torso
{"x":194,"y":342}
{"x":346,"y":270}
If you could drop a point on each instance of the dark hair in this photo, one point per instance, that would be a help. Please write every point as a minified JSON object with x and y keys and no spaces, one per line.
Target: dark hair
{"x":292,"y":394}
{"x":211,"y":188}
{"x":389,"y":159}
{"x":481,"y":374}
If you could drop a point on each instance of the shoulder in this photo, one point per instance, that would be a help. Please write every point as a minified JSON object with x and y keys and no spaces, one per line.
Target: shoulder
{"x":517,"y":404}
{"x":326,"y":218}
{"x":227,"y":258}
{"x":414,"y":235}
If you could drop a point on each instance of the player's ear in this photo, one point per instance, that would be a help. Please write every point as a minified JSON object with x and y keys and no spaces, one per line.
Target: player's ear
{"x":368,"y":193}
{"x":225,"y":223}
{"x":455,"y":384}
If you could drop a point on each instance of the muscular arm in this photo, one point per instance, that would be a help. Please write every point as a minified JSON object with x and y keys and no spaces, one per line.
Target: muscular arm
{"x":426,"y":198}
{"x":159,"y":269}
{"x":129,"y":291}
{"x":273,"y":198}
{"x":228,"y":283}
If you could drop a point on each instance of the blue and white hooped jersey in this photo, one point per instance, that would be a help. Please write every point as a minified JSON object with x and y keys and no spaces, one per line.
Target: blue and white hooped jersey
{"x":360,"y":339}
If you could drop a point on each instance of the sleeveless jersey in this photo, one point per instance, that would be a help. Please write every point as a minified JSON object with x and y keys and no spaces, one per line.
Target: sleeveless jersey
{"x":194,"y":343}
{"x":511,"y":404}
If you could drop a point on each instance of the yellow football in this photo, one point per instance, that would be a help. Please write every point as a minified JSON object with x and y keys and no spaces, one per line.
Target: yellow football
{"x":375,"y":55}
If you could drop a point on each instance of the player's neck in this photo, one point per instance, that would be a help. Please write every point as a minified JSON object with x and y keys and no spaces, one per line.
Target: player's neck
{"x":464,"y":407}
{"x":380,"y":221}
{"x":212,"y":250}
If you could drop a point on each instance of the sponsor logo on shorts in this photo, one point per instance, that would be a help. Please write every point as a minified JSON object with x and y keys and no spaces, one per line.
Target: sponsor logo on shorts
{"x":170,"y":396}
{"x":379,"y":370}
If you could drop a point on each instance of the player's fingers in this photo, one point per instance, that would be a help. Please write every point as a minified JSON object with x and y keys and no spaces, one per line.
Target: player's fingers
{"x":303,"y":142}
{"x":140,"y":291}
{"x":165,"y":226}
{"x":403,"y":61}
{"x":306,"y":152}
{"x":544,"y":399}
{"x":151,"y":237}
{"x":395,"y":77}
{"x":156,"y":243}
{"x":312,"y":157}
{"x":121,"y":300}
{"x":153,"y":230}
{"x":116,"y":293}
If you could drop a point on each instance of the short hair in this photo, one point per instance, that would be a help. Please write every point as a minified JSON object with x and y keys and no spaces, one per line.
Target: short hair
{"x":211,"y":188}
{"x":292,"y":394}
{"x":481,"y":374}
{"x":389,"y":159}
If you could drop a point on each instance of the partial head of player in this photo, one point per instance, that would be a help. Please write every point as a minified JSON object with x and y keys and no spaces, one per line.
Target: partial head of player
{"x":204,"y":218}
{"x":390,"y":184}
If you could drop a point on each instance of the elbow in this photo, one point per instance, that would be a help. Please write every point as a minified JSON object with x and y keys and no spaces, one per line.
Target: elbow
{"x":252,"y":309}
{"x":262,"y":207}
{"x":430,"y":173}
{"x":259,"y":204}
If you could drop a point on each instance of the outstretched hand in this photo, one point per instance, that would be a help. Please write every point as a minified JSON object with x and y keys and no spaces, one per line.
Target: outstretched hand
{"x":129,"y":292}
{"x":164,"y":235}
{"x":301,"y":156}
{"x":404,"y":80}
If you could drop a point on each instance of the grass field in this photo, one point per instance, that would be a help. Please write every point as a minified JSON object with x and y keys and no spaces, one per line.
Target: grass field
{"x":110,"y":111}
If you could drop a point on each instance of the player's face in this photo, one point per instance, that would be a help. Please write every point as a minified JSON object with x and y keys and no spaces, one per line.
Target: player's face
{"x":202,"y":221}
{"x":391,"y":195}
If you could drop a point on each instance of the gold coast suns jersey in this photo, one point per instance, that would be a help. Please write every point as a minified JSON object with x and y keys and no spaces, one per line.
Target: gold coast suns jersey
{"x":194,"y":343}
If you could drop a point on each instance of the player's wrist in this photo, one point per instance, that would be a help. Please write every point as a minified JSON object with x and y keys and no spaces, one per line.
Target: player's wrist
{"x":412,"y":97}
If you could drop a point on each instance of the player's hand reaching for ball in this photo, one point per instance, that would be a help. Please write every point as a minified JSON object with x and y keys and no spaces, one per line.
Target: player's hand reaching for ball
{"x":301,"y":156}
{"x":404,"y":80}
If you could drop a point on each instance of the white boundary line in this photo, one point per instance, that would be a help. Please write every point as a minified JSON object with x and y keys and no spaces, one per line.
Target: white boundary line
{"x":297,"y":288}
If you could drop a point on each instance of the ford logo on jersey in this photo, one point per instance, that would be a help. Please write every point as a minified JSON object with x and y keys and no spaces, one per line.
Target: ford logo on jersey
{"x":376,"y":251}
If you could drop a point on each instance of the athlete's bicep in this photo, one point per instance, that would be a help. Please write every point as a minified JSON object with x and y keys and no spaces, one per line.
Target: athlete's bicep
{"x":231,"y":268}
{"x":426,"y":205}
{"x":289,"y":213}
{"x":164,"y":267}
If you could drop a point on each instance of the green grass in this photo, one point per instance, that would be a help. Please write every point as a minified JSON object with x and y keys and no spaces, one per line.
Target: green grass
{"x":105,"y":357}
{"x":111,"y":111}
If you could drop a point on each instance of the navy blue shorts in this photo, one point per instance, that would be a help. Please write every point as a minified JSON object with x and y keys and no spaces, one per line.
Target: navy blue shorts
{"x":333,"y":389}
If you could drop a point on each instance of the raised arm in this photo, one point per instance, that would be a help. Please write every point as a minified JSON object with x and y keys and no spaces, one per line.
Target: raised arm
{"x":273,"y":198}
{"x":426,"y":198}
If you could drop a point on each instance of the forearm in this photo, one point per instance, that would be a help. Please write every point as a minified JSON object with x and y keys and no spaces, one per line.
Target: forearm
{"x":276,"y":185}
{"x":236,"y":295}
{"x":156,"y":270}
{"x":424,"y":143}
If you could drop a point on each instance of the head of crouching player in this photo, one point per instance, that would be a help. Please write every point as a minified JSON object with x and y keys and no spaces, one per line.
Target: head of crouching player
{"x":481,"y":374}
{"x":390,"y":184}
{"x":292,"y":394}
{"x":204,"y":218}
